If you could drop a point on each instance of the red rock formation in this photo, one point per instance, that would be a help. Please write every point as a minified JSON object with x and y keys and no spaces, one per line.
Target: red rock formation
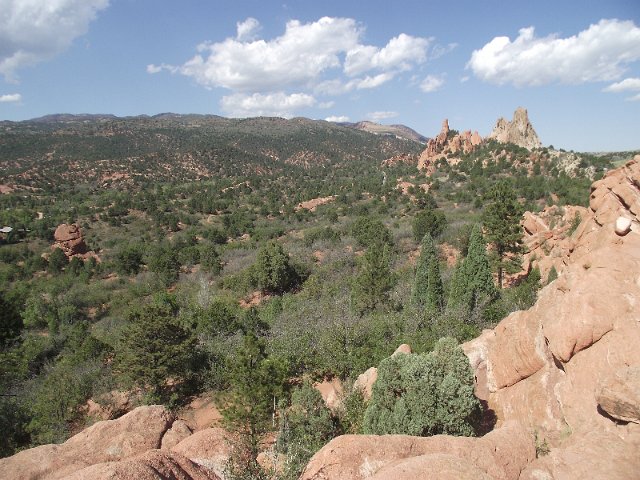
{"x":69,"y":239}
{"x":151,"y":465}
{"x":501,"y":454}
{"x":518,"y":131}
{"x":444,"y":146}
{"x":108,"y":441}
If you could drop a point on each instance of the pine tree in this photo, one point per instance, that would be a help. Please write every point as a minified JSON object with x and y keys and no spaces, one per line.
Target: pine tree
{"x":501,"y":220}
{"x":472,"y":283}
{"x":374,"y":280}
{"x":154,"y":349}
{"x":257,"y":382}
{"x":427,"y":288}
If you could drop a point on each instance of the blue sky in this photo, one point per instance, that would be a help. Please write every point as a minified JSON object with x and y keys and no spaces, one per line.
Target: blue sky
{"x":575,"y":65}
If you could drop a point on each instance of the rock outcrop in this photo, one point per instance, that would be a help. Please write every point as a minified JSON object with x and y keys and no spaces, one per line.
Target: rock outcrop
{"x":518,"y":131}
{"x":501,"y":454}
{"x":446,"y":145}
{"x":151,"y":465}
{"x":147,"y":443}
{"x":109,"y":441}
{"x":69,"y":239}
{"x":567,"y":367}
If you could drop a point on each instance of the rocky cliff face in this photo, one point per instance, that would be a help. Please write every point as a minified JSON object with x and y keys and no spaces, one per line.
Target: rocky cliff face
{"x":518,"y":131}
{"x":562,"y":378}
{"x":445,"y":145}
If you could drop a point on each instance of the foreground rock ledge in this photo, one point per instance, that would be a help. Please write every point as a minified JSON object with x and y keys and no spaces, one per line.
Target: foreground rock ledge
{"x":501,"y":454}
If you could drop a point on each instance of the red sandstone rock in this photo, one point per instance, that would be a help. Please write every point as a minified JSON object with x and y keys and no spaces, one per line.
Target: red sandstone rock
{"x":178,"y":432}
{"x":151,"y":465}
{"x":365,"y":382}
{"x":331,"y":391}
{"x":208,"y":447}
{"x":69,"y":239}
{"x":619,"y":396}
{"x":112,"y":440}
{"x":501,"y":454}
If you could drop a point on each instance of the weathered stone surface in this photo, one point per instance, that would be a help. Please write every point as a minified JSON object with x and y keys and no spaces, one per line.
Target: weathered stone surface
{"x":151,"y":465}
{"x":331,"y":391}
{"x":208,"y":447}
{"x":68,"y":238}
{"x":178,"y":432}
{"x":594,"y":455}
{"x":402,"y":349}
{"x":435,"y":466}
{"x":619,"y":395}
{"x":623,"y":226}
{"x":112,"y":440}
{"x":365,"y":382}
{"x":501,"y":454}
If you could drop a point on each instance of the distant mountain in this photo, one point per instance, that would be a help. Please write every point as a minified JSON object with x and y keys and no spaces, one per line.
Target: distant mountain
{"x":64,"y":149}
{"x":400,"y":131}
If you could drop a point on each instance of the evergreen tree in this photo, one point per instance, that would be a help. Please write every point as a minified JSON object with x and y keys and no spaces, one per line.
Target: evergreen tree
{"x":427,"y":287}
{"x":374,"y":280}
{"x":57,"y":261}
{"x":472,"y":283}
{"x":273,"y":271}
{"x":154,"y":348}
{"x":305,"y":427}
{"x":501,"y":220}
{"x":257,"y":382}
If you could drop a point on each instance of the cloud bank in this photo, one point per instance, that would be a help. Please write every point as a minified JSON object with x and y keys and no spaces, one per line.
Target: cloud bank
{"x":32,"y":31}
{"x":600,"y":53}
{"x":281,"y":75}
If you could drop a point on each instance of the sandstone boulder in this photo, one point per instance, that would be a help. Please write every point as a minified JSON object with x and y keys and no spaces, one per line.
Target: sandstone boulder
{"x":178,"y":432}
{"x":331,"y":391}
{"x":209,"y":448}
{"x":501,"y":454}
{"x":108,"y":441}
{"x":69,"y":239}
{"x":623,"y":226}
{"x":619,"y":396}
{"x":151,"y":465}
{"x":365,"y":382}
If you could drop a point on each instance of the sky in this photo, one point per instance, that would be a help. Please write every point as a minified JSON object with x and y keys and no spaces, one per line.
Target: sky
{"x":573,"y":64}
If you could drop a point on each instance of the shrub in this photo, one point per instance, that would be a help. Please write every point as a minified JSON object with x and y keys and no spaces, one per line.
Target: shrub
{"x":304,"y":428}
{"x":273,"y":271}
{"x":424,"y":395}
{"x":429,"y":220}
{"x":369,"y":231}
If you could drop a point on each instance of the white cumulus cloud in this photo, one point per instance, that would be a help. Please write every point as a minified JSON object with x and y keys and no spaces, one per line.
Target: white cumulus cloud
{"x":378,"y":116}
{"x":628,"y":84}
{"x":337,"y":118}
{"x":325,"y":57}
{"x":401,"y":53}
{"x":297,"y":57}
{"x":277,"y":104}
{"x":32,"y":31}
{"x":599,"y":53}
{"x":248,"y":30}
{"x":431,"y":83}
{"x":10,"y":98}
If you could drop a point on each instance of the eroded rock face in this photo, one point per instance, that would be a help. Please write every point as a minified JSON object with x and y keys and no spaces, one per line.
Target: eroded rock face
{"x":518,"y":131}
{"x":151,"y":465}
{"x":501,"y":454}
{"x":209,"y":448}
{"x":569,"y":366}
{"x":108,"y":441}
{"x":445,"y":145}
{"x":619,"y":396}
